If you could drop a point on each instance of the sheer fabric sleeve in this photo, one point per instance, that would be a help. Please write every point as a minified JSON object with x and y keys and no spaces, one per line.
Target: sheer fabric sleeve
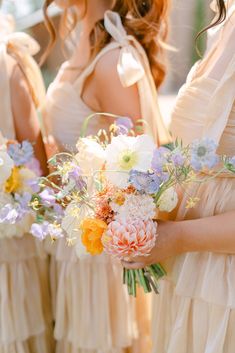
{"x":220,"y":68}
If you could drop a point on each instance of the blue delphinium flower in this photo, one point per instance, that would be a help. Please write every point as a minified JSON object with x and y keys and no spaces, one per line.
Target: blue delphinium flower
{"x":124,"y":125}
{"x":148,"y":183}
{"x":203,"y":154}
{"x":21,"y":153}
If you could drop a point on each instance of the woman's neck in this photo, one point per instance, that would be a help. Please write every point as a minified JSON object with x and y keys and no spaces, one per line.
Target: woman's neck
{"x":94,"y":12}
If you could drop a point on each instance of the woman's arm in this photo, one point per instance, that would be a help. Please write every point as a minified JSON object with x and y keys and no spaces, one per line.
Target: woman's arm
{"x":25,"y":116}
{"x":213,"y":234}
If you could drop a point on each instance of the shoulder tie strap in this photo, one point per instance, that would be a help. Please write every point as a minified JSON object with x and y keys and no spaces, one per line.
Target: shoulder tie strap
{"x":130,"y":68}
{"x":133,"y":68}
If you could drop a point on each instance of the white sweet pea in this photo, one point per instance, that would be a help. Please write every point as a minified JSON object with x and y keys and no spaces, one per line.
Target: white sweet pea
{"x":168,"y":200}
{"x":125,"y":153}
{"x":6,"y":165}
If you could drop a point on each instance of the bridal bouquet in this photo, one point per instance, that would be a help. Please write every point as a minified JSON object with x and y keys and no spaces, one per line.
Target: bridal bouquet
{"x":111,"y":190}
{"x":19,"y":172}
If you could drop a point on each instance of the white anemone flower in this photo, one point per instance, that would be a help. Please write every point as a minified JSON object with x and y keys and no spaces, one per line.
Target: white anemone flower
{"x":90,"y":156}
{"x":6,"y":165}
{"x":125,"y":153}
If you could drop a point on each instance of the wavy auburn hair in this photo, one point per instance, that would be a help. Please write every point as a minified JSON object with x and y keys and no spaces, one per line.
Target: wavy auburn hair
{"x":221,"y":16}
{"x":146,"y":20}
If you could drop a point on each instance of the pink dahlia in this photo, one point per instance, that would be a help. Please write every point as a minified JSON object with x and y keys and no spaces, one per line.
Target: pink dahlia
{"x":125,"y":238}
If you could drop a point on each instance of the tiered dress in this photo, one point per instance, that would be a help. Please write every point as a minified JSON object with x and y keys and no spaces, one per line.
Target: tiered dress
{"x":25,"y":306}
{"x":93,"y":313}
{"x":195,"y":311}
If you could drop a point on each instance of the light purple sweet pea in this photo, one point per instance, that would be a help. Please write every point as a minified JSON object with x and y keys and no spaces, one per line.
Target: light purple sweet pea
{"x":48,"y":197}
{"x":34,"y":184}
{"x":58,"y":210}
{"x":75,"y":175}
{"x":159,"y":159}
{"x":124,"y":125}
{"x":40,"y":231}
{"x":148,"y":183}
{"x":203,"y":154}
{"x":24,"y":200}
{"x":55,"y":232}
{"x":34,"y":165}
{"x":9,"y":214}
{"x":21,"y":153}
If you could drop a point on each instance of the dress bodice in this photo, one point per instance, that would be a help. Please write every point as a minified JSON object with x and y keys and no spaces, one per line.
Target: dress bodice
{"x":65,"y":111}
{"x":206,"y":103}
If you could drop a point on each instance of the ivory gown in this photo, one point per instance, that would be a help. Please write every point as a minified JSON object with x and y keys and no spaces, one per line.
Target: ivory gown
{"x":93,"y":312}
{"x":195,"y":311}
{"x":25,"y":306}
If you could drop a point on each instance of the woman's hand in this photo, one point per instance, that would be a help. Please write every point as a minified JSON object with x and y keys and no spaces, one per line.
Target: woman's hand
{"x":211,"y":234}
{"x":168,"y":244}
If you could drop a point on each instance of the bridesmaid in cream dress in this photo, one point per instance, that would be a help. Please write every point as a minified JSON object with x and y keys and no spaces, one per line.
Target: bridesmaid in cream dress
{"x":93,"y":313}
{"x":195,"y":311}
{"x":25,"y":320}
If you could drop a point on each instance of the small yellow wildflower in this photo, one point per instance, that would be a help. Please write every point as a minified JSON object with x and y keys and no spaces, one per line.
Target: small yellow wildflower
{"x":191,"y":202}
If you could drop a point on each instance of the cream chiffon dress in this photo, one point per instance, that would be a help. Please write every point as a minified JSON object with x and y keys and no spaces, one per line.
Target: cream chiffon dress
{"x":93,"y":312}
{"x":195,"y":311}
{"x":25,"y":319}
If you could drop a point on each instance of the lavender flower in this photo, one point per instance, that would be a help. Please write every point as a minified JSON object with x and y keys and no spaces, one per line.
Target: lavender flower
{"x":177,"y":158}
{"x":124,"y":125}
{"x":159,"y":159}
{"x":148,"y":183}
{"x":75,"y":175}
{"x":21,"y":153}
{"x":203,"y":154}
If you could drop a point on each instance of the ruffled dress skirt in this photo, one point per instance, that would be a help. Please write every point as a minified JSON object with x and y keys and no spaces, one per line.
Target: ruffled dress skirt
{"x":25,"y":305}
{"x":92,"y":309}
{"x":195,"y":310}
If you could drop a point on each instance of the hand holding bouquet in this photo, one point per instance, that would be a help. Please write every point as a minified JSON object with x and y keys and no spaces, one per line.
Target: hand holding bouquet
{"x":111,"y":190}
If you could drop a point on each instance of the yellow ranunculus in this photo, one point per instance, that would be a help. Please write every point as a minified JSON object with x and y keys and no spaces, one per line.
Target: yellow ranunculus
{"x":13,"y":183}
{"x":92,"y":232}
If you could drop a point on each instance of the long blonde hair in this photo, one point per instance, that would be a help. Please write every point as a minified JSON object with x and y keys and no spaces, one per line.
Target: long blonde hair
{"x":146,"y":20}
